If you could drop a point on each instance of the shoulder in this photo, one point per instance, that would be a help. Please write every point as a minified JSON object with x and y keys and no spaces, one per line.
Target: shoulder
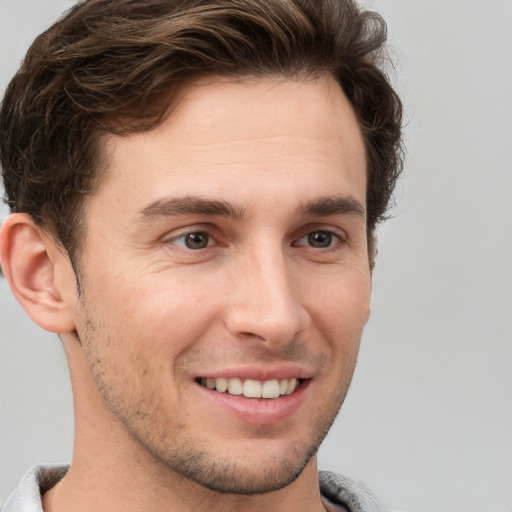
{"x":344,"y":492}
{"x":27,"y":496}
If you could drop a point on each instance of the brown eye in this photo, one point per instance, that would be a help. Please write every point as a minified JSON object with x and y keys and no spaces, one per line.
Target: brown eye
{"x":320,"y":239}
{"x":195,"y":240}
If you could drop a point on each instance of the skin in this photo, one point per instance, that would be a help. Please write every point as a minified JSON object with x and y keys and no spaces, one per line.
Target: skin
{"x":262,"y":297}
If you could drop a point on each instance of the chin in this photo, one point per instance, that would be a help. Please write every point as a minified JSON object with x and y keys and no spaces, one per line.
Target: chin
{"x":252,"y":469}
{"x":229,"y":477}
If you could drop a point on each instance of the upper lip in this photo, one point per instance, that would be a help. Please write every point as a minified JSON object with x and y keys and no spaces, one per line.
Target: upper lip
{"x":284,"y":371}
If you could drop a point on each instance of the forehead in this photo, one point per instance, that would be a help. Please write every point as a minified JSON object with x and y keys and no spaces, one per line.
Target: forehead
{"x":263,"y":107}
{"x":223,"y":136}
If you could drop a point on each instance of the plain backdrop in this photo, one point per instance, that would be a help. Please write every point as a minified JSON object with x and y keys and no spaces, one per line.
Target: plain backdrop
{"x":428,"y":421}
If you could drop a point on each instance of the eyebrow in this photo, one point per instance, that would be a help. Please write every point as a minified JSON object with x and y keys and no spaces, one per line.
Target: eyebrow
{"x":192,"y":205}
{"x":189,"y":205}
{"x":333,"y":205}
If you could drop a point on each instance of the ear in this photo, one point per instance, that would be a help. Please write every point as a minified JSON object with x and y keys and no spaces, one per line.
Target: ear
{"x":30,"y":261}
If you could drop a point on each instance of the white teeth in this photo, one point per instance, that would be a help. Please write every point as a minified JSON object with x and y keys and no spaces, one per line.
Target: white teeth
{"x":292,"y":384}
{"x":235,"y":387}
{"x":270,"y":389}
{"x":221,"y":384}
{"x":251,"y":388}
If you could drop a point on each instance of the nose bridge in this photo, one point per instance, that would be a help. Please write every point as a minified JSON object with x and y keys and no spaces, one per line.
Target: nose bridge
{"x":265,"y":303}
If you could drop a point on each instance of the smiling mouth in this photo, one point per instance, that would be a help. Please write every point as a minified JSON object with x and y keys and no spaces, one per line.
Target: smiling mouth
{"x":251,"y":388}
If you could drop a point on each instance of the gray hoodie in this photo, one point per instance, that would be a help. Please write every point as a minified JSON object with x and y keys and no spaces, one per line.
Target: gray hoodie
{"x":339,"y":493}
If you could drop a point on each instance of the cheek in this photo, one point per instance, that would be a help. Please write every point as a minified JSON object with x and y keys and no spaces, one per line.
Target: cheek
{"x":157,"y":318}
{"x":340,"y":297}
{"x":339,"y":310}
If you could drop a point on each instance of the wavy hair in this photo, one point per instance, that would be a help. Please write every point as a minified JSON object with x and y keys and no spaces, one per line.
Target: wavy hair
{"x":107,"y":64}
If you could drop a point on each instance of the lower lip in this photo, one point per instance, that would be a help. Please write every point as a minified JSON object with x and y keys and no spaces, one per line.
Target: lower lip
{"x":257,"y":411}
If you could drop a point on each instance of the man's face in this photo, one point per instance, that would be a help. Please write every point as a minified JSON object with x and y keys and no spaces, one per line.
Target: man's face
{"x":227,"y":247}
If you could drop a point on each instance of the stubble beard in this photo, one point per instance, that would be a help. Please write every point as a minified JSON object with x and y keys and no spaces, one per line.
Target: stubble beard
{"x":227,"y":476}
{"x":170,"y":449}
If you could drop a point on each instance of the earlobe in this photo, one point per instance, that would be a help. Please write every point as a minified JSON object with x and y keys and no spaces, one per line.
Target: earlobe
{"x":29,"y":264}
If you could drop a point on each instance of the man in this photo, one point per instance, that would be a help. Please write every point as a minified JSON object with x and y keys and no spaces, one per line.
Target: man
{"x":195,"y":187}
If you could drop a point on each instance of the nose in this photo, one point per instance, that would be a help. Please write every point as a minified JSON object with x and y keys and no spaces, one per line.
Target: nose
{"x":265,"y":303}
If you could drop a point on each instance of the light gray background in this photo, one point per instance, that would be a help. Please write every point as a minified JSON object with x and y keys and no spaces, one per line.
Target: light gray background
{"x":428,"y":421}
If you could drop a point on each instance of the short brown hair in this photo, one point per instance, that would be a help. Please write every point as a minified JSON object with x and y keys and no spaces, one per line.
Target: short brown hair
{"x":107,"y":63}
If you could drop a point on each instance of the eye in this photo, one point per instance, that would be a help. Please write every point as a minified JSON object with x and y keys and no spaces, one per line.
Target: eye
{"x":320,"y":239}
{"x":194,"y":240}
